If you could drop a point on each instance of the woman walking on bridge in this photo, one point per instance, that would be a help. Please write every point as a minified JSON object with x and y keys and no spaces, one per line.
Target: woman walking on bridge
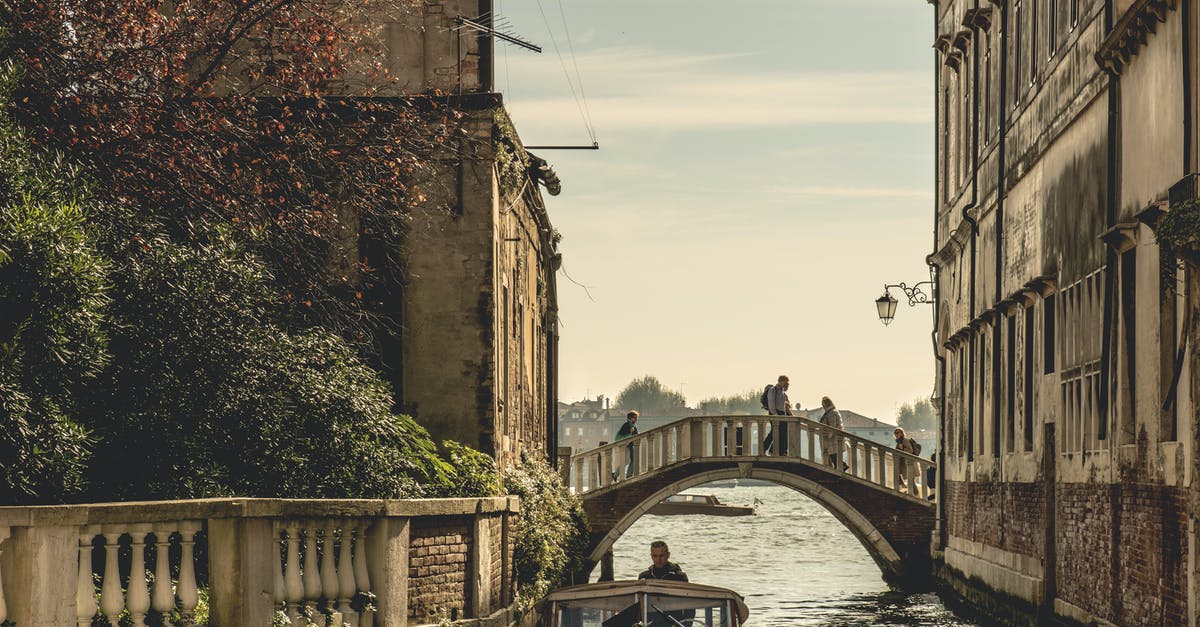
{"x":831,"y":445}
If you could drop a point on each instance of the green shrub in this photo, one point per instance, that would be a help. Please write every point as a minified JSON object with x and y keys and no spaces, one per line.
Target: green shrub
{"x":52,"y":303}
{"x":472,"y":473}
{"x":207,"y":396}
{"x":551,"y":532}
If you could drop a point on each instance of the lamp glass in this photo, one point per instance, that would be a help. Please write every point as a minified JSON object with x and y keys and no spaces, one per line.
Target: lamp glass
{"x":886,"y":305}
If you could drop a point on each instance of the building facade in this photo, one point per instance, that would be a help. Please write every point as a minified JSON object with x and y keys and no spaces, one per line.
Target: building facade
{"x":1065,"y":131}
{"x":476,"y":355}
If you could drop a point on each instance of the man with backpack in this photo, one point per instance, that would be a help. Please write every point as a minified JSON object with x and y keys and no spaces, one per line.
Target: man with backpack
{"x":775,"y":401}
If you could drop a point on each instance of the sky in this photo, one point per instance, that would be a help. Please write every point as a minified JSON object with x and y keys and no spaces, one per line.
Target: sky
{"x":765,"y":167}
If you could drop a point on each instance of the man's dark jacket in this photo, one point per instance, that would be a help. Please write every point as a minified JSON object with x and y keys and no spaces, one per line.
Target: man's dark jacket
{"x":671,"y":572}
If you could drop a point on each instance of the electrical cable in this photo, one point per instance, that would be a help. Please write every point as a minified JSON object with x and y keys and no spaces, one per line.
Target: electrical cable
{"x":566,"y":73}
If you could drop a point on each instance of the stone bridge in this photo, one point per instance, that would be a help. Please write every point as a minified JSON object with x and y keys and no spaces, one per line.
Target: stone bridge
{"x":880,"y":495}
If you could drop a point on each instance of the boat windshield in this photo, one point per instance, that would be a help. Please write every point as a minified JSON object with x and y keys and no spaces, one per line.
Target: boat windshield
{"x":657,"y":611}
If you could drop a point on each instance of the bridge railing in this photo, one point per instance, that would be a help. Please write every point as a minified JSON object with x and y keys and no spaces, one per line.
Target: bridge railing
{"x":715,"y":437}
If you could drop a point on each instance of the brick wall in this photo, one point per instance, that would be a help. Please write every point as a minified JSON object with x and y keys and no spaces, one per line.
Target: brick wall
{"x":496,"y":526}
{"x":1119,"y":548}
{"x":437,"y":566}
{"x":1121,"y":552}
{"x":1008,"y":516}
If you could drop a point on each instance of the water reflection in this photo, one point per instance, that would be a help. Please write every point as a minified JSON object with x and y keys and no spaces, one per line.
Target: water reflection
{"x":794,"y":562}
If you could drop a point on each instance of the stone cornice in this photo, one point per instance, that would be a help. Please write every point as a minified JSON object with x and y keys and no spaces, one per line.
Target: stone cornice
{"x":1130,"y":33}
{"x":1120,"y":237}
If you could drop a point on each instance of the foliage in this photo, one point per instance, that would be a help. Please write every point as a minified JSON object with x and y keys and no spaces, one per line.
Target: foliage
{"x":53,"y":296}
{"x":648,"y":395}
{"x":551,"y":532}
{"x":917,"y":415}
{"x":209,"y":396}
{"x":265,"y":114}
{"x":1178,"y":236}
{"x":471,"y":472}
{"x":737,"y":404}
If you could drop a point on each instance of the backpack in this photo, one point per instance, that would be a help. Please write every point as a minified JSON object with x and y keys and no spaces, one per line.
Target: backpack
{"x":765,"y":399}
{"x":916,"y":447}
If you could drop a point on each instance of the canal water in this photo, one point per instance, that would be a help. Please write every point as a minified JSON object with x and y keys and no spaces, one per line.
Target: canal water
{"x":793,"y":561}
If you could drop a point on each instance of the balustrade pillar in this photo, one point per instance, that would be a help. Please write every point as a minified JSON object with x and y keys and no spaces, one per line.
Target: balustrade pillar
{"x":362,"y":577}
{"x":387,"y":564}
{"x":85,"y":589}
{"x":111,"y":599}
{"x":243,"y":553}
{"x":311,"y":574}
{"x":279,"y":590}
{"x":293,"y":587}
{"x":137,"y":594}
{"x":345,"y":571}
{"x":163,"y":594}
{"x":188,"y":593}
{"x":329,"y":578}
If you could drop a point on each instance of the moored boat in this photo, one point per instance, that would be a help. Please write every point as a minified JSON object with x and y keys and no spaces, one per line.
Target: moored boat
{"x":648,"y":602}
{"x":689,"y":503}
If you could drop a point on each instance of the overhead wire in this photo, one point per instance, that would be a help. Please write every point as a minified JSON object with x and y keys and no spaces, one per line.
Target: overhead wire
{"x":578,"y":75}
{"x":570,"y":83}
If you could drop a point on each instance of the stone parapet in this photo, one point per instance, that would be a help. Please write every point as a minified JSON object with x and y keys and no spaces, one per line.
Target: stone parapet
{"x":421,"y":560}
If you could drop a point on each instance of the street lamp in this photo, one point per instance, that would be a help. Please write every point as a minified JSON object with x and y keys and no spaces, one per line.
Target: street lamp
{"x":886,"y":305}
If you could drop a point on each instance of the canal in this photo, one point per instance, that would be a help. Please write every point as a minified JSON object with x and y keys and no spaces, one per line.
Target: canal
{"x":793,"y":561}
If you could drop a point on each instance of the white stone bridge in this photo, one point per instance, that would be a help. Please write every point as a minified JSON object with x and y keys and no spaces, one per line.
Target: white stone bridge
{"x":880,"y":496}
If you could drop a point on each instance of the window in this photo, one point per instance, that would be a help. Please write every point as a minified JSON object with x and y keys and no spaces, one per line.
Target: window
{"x":1032,"y":16}
{"x":1048,"y":335}
{"x":1027,"y":370}
{"x":971,"y":400}
{"x":1080,"y":342}
{"x":986,"y":127}
{"x":1015,"y":54}
{"x":1127,"y":403}
{"x":1010,"y":357}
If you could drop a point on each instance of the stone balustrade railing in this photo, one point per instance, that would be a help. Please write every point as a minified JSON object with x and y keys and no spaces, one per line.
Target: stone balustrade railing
{"x":361,"y":562}
{"x":743,"y":438}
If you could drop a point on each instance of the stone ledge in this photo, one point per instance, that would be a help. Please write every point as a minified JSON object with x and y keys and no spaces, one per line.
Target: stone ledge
{"x":995,"y":576}
{"x":1073,"y":612}
{"x":170,"y":511}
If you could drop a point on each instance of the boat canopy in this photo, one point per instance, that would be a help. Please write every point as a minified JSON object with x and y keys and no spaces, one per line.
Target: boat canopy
{"x":614,"y":595}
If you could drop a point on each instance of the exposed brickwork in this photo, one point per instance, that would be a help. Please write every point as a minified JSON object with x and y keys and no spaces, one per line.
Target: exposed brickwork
{"x":1118,"y":548}
{"x":1009,"y":516}
{"x":439,"y":549}
{"x":496,"y":531}
{"x":1083,"y":540}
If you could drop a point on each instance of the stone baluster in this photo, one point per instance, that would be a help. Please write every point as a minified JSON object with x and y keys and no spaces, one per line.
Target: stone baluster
{"x":329,"y":578}
{"x":868,"y":452}
{"x":293,"y":587}
{"x":279,"y":590}
{"x":112,"y":601}
{"x":577,"y":474}
{"x":664,"y":447}
{"x":895,"y":471}
{"x":345,"y":571}
{"x":85,"y":589}
{"x":189,"y":595}
{"x":715,"y":439}
{"x":812,"y":444}
{"x":603,"y":474}
{"x":162,"y":596}
{"x":312,"y":580}
{"x":137,"y":594}
{"x":4,"y":533}
{"x":362,"y":576}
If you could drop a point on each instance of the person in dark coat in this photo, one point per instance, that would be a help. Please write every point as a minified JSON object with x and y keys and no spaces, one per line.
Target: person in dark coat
{"x":661,"y":566}
{"x":628,"y":430}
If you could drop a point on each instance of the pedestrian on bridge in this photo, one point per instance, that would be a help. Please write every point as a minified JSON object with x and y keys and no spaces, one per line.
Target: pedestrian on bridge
{"x":831,"y":445}
{"x":778,"y":405}
{"x":628,"y":430}
{"x":906,"y":445}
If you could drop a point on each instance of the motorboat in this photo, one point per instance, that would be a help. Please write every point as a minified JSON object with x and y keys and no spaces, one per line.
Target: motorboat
{"x":690,"y":503}
{"x":644,"y":603}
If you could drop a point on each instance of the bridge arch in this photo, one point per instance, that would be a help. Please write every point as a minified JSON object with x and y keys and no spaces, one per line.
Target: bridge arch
{"x":872,"y":539}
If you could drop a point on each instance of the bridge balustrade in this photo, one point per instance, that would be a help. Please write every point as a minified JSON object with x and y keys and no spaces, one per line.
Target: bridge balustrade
{"x":743,"y":438}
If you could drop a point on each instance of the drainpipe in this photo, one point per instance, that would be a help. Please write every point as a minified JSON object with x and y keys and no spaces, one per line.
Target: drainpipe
{"x":553,"y":263}
{"x":938,"y":527}
{"x":1110,"y":218}
{"x":966,"y":216}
